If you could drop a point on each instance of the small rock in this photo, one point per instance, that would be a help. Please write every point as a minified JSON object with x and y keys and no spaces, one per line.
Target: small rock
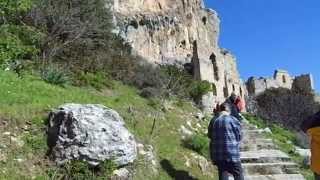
{"x":7,"y":133}
{"x":3,"y":158}
{"x":3,"y":146}
{"x":19,"y":160}
{"x":199,"y":116}
{"x":267,"y":130}
{"x":142,"y":152}
{"x":198,"y":125}
{"x":189,"y":124}
{"x":185,"y":132}
{"x":121,"y":174}
{"x":17,"y":141}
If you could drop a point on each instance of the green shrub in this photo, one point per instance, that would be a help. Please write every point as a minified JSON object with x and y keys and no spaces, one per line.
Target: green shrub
{"x":107,"y":168}
{"x":81,"y":170}
{"x":78,"y":170}
{"x":198,"y":143}
{"x":97,"y":80}
{"x":37,"y":142}
{"x":12,"y":10}
{"x":199,"y":88}
{"x":14,"y":44}
{"x":53,"y":75}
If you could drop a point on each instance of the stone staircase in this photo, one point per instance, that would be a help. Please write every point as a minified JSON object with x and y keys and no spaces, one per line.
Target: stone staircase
{"x":262,"y":160}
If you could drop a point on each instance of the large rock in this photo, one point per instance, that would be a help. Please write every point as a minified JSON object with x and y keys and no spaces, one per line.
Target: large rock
{"x":92,"y":133}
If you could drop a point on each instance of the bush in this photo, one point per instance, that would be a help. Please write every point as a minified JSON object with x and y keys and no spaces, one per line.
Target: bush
{"x":198,"y":143}
{"x":286,"y":107}
{"x":17,"y":44}
{"x":53,"y":75}
{"x":199,"y":89}
{"x":11,"y":11}
{"x":97,"y":80}
{"x":81,"y":170}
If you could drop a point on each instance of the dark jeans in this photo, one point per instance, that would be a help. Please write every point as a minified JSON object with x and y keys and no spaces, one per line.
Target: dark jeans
{"x":226,"y":168}
{"x":316,"y":176}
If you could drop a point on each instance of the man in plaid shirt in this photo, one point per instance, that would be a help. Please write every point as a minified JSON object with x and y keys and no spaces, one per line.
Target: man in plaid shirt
{"x":225,"y":134}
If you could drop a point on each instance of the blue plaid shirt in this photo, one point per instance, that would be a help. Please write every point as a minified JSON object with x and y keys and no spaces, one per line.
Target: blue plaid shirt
{"x":225,"y":134}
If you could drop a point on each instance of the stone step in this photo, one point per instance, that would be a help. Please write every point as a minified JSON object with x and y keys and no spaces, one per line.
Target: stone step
{"x":275,"y":177}
{"x":256,"y":144}
{"x":270,"y":168}
{"x":262,"y":156}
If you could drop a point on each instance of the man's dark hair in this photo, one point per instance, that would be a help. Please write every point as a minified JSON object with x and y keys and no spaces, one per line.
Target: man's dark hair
{"x":225,"y":107}
{"x":233,"y":97}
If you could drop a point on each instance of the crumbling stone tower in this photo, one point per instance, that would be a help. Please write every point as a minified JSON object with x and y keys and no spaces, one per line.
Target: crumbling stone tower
{"x":281,"y":79}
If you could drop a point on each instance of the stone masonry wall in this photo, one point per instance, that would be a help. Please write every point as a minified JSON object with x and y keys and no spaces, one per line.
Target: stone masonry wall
{"x":281,"y":79}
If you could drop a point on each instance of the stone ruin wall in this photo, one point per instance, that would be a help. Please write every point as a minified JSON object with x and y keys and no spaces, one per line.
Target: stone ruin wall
{"x":281,"y":79}
{"x":180,"y":32}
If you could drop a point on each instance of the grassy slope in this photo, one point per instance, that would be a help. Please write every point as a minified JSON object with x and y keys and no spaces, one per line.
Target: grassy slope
{"x":25,"y":103}
{"x":281,"y":138}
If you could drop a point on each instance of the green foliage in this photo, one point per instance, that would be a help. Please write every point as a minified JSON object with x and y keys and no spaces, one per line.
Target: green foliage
{"x":78,"y":170}
{"x":12,"y":10}
{"x":53,"y":75}
{"x":17,"y":43}
{"x":30,"y":99}
{"x":107,"y":168}
{"x":81,"y":170}
{"x":198,"y":143}
{"x":286,"y":107}
{"x":97,"y":80}
{"x":199,"y":88}
{"x":36,"y":142}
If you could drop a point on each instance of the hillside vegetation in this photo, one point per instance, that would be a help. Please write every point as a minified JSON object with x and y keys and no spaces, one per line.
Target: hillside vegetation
{"x":25,"y":103}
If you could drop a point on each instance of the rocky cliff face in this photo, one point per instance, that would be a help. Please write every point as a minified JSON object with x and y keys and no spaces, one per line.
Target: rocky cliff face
{"x":180,"y":31}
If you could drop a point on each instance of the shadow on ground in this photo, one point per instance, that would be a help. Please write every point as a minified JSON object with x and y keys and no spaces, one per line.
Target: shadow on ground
{"x":175,"y":174}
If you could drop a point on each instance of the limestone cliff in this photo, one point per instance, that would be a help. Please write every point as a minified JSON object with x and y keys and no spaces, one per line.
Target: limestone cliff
{"x":180,"y":31}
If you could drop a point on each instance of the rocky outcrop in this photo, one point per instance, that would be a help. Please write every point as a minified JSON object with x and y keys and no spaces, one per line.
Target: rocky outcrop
{"x":180,"y":32}
{"x":92,"y":133}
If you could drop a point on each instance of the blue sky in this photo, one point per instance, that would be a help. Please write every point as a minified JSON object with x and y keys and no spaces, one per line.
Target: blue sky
{"x":271,"y":34}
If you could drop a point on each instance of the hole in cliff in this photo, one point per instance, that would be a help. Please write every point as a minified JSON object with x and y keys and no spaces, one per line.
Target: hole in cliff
{"x":204,"y":20}
{"x":173,"y":32}
{"x":214,"y":89}
{"x":183,"y":44}
{"x":142,"y":22}
{"x":241,"y":93}
{"x":225,"y":92}
{"x":134,"y":23}
{"x":160,"y":7}
{"x":188,"y":67}
{"x":215,"y":66}
{"x":284,"y":80}
{"x":233,"y":88}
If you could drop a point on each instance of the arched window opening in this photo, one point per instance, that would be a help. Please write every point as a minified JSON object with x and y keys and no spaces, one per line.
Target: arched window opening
{"x":284,"y":80}
{"x":204,"y":20}
{"x":215,"y":66}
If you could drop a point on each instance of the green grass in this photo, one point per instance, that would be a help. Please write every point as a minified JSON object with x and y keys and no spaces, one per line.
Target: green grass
{"x":284,"y":139}
{"x":25,"y":104}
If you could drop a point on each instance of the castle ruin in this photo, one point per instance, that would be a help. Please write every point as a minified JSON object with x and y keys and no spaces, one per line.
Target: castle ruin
{"x":281,"y":79}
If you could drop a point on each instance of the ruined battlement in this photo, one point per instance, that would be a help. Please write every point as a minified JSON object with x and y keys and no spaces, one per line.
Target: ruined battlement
{"x":280,"y":79}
